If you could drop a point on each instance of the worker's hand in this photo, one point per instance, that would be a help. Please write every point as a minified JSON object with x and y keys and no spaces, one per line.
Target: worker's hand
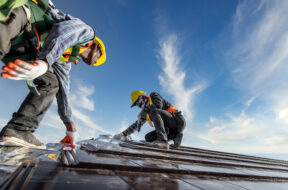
{"x":21,"y":70}
{"x":69,"y":140}
{"x":119,"y":136}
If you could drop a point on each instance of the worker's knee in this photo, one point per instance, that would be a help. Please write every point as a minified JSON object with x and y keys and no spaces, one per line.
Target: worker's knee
{"x":181,"y":123}
{"x":151,"y":136}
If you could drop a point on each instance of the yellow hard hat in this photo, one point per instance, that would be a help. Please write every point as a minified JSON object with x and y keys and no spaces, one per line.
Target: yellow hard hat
{"x":135,"y":95}
{"x":102,"y":58}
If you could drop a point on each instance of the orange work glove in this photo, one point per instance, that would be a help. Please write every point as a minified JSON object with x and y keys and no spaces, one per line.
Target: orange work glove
{"x":70,"y":139}
{"x":21,"y":70}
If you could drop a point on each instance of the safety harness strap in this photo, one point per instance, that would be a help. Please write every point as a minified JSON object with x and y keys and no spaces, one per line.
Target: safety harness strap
{"x":74,"y":54}
{"x":171,"y":109}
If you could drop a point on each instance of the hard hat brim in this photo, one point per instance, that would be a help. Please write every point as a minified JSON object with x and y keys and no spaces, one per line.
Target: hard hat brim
{"x":102,"y":58}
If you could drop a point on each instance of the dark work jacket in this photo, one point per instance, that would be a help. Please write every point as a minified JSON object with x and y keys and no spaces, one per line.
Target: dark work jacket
{"x":158,"y":102}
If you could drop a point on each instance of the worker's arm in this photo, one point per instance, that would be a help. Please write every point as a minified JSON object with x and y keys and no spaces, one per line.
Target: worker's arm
{"x":63,"y":35}
{"x":56,"y":14}
{"x":63,"y":102}
{"x":136,"y":126}
{"x":62,"y":71}
{"x":157,"y":101}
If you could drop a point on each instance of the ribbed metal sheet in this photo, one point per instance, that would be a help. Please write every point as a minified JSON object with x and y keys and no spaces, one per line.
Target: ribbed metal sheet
{"x":133,"y":165}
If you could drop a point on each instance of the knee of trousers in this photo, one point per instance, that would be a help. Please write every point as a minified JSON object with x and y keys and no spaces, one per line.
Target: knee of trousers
{"x":181,"y":124}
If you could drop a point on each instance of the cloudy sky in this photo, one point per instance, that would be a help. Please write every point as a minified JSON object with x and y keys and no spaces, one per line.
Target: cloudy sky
{"x":223,"y":63}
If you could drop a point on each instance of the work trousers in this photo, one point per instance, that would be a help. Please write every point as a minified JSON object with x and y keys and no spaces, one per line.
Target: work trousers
{"x":166,"y":124}
{"x":10,"y":28}
{"x":152,"y":135}
{"x":34,"y":107}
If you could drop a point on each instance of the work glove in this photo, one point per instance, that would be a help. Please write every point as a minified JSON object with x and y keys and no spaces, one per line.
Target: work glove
{"x":68,"y":153}
{"x":119,"y":136}
{"x":21,"y":70}
{"x":69,"y":140}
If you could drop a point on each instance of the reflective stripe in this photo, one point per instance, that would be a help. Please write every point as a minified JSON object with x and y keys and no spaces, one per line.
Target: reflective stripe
{"x":150,"y":101}
{"x":148,"y":118}
{"x":69,"y":52}
{"x":172,"y":109}
{"x":66,"y":55}
{"x":38,"y":38}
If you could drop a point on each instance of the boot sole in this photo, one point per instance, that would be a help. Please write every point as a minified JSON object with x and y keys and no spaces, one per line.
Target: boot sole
{"x":13,"y":141}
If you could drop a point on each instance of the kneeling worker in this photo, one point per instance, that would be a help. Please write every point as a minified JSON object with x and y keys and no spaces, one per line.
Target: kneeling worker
{"x":169,"y":123}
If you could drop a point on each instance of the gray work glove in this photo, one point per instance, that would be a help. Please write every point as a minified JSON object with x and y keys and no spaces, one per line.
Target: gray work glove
{"x":119,"y":136}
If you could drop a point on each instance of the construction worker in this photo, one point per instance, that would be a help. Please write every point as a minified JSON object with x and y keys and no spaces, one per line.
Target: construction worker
{"x":46,"y":65}
{"x":169,"y":123}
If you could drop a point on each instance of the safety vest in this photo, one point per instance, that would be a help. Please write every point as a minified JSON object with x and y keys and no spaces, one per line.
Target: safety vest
{"x":72,"y":53}
{"x":41,"y":25}
{"x":171,"y":109}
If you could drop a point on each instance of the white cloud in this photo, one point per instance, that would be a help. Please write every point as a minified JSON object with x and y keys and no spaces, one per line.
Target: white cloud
{"x":87,"y":133}
{"x":276,"y":140}
{"x":85,"y":119}
{"x":3,"y":121}
{"x":50,"y":137}
{"x":53,"y":120}
{"x":80,"y":98}
{"x":86,"y":126}
{"x":124,"y":125}
{"x":258,"y":54}
{"x":276,"y":143}
{"x":250,"y":134}
{"x":172,"y":78}
{"x":283,"y":115}
{"x":249,"y":102}
{"x":257,"y":61}
{"x":234,"y":129}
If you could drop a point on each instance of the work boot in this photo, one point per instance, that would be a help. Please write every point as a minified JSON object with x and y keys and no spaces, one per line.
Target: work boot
{"x":177,"y":140}
{"x":159,"y":144}
{"x":12,"y":137}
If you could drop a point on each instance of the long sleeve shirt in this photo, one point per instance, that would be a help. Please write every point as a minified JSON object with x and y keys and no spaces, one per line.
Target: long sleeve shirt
{"x":67,"y":32}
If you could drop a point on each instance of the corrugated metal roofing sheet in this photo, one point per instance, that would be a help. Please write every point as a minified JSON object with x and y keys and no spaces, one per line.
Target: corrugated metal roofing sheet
{"x":108,"y":164}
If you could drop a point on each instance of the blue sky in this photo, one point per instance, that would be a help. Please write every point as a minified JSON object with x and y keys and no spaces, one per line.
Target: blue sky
{"x":223,"y":63}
